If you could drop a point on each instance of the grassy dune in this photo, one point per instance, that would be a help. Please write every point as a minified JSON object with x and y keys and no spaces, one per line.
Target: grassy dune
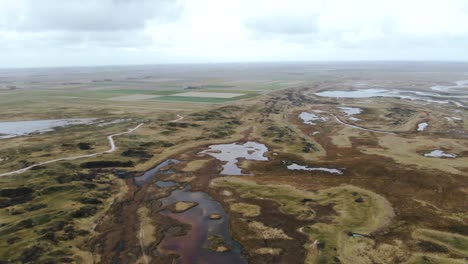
{"x":456,"y":243}
{"x":359,"y":217}
{"x":391,"y":205}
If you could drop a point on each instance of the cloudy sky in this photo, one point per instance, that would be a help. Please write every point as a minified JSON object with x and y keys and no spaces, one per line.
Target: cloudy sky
{"x":38,"y":33}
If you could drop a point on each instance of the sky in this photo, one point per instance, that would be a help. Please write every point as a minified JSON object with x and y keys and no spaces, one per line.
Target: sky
{"x":49,"y":33}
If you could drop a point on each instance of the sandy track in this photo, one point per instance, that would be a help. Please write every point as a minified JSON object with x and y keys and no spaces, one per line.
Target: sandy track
{"x":363,"y":128}
{"x":178,"y":119}
{"x":112,"y":149}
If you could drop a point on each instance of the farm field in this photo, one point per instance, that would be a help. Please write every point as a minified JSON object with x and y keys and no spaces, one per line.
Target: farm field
{"x":232,"y":163}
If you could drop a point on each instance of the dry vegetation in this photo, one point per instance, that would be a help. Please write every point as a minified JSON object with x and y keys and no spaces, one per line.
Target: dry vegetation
{"x":391,"y":204}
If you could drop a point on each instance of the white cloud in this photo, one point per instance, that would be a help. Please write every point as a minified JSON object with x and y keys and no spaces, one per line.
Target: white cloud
{"x":72,"y":32}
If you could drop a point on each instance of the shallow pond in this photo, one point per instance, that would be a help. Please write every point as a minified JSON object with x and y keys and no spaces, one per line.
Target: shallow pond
{"x":231,"y":153}
{"x":402,"y":94}
{"x":446,"y":88}
{"x":422,"y":126}
{"x":374,"y":92}
{"x":194,"y":246}
{"x":350,"y":111}
{"x":295,"y":166}
{"x":163,"y":184}
{"x":311,"y":118}
{"x":440,"y":154}
{"x":21,"y":128}
{"x":363,"y":93}
{"x":149,"y":175}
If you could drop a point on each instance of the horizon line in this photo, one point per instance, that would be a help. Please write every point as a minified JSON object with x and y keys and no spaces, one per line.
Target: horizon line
{"x":231,"y":62}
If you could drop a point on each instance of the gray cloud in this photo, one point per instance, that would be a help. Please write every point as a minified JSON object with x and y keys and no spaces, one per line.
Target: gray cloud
{"x":62,"y":24}
{"x":91,"y":15}
{"x":90,"y":32}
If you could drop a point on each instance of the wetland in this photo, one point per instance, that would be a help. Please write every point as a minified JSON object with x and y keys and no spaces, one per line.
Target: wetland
{"x":281,"y":164}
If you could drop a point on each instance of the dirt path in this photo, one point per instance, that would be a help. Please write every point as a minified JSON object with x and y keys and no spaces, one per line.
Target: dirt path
{"x":363,"y":128}
{"x":112,"y":149}
{"x":178,"y":119}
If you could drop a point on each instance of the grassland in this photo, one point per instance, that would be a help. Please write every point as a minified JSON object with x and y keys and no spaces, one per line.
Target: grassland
{"x":454,"y":242}
{"x":364,"y":217}
{"x":390,"y":205}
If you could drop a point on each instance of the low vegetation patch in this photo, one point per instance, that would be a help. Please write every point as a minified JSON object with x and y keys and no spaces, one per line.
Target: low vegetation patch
{"x":180,"y":207}
{"x":13,"y":196}
{"x":85,"y":211}
{"x":157,"y":144}
{"x":454,"y":242}
{"x":137,"y":153}
{"x":106,"y":164}
{"x":89,"y":200}
{"x":373,"y":213}
{"x":84,"y":145}
{"x":245,"y":209}
{"x":261,"y":231}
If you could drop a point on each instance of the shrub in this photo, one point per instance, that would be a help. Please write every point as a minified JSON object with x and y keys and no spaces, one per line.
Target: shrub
{"x":31,"y":254}
{"x":140,"y":153}
{"x":89,"y":200}
{"x":84,"y":145}
{"x":106,"y":164}
{"x":85,"y":211}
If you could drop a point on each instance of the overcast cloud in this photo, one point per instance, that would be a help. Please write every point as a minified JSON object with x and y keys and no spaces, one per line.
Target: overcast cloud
{"x":35,"y":33}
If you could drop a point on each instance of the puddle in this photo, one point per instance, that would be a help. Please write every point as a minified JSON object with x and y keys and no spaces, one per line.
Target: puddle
{"x":21,"y":128}
{"x":350,"y":111}
{"x":231,"y":153}
{"x":422,"y":126}
{"x":351,"y":234}
{"x":194,"y":246}
{"x":440,"y":154}
{"x":149,"y":175}
{"x":311,"y":119}
{"x":163,"y":184}
{"x":295,"y":166}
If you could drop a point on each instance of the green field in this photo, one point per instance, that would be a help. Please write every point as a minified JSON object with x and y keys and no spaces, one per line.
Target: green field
{"x":203,"y":99}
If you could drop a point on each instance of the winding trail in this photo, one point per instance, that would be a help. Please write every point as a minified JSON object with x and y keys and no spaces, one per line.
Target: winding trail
{"x":112,"y":149}
{"x":178,"y":119}
{"x":363,"y":128}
